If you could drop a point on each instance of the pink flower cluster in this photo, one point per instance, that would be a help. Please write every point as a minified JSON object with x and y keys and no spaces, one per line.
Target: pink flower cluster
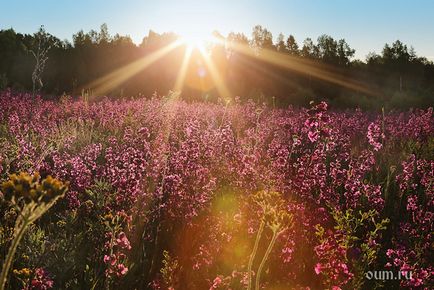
{"x":115,"y":260}
{"x":40,"y":281}
{"x":183,"y":172}
{"x":374,"y":136}
{"x":332,"y":263}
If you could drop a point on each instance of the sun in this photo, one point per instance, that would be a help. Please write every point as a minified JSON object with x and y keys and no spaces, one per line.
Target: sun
{"x":196,"y":39}
{"x":192,"y":41}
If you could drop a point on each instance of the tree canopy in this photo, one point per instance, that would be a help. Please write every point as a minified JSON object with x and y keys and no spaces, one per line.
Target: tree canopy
{"x":397,"y":75}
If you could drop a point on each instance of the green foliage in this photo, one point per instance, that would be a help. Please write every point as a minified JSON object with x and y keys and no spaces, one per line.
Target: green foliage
{"x":360,"y":230}
{"x":169,"y":270}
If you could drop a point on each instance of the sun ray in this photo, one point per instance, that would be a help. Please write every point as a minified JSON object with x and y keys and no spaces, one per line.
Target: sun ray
{"x":179,"y":84}
{"x":222,"y":89}
{"x":269,"y":73}
{"x":106,"y":83}
{"x":309,"y":67}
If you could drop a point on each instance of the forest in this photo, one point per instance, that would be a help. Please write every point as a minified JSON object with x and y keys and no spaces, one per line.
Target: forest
{"x":395,"y":78}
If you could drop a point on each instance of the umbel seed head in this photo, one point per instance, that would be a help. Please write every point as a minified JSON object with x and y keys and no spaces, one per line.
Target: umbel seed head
{"x":30,"y":188}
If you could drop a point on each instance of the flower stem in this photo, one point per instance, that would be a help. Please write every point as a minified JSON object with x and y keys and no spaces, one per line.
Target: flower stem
{"x":255,"y":249}
{"x":20,"y":230}
{"x":264,"y":259}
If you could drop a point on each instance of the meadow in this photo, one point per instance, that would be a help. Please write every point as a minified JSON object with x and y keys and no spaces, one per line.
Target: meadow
{"x":167,"y":194}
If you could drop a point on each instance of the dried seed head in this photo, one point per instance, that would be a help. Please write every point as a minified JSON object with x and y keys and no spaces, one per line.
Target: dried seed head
{"x":30,"y":188}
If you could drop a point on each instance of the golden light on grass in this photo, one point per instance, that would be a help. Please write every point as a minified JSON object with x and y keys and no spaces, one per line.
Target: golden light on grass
{"x":195,"y":41}
{"x":204,"y":76}
{"x":268,"y":72}
{"x":222,"y":89}
{"x":108,"y":82}
{"x":180,"y":80}
{"x":198,"y":42}
{"x":304,"y":66}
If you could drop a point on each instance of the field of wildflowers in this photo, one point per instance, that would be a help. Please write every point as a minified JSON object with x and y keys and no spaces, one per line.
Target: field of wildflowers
{"x":164,"y":194}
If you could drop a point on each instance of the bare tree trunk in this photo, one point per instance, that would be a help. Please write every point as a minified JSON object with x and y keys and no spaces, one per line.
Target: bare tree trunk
{"x":40,"y":55}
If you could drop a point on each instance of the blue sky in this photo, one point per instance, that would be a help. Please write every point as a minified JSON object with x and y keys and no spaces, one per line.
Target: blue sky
{"x":366,"y":25}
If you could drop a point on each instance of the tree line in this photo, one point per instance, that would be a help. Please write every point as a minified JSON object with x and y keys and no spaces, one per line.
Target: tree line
{"x":280,"y":71}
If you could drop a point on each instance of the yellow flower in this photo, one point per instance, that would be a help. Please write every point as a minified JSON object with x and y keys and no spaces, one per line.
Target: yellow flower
{"x":30,"y":188}
{"x":23,"y":273}
{"x":108,"y":217}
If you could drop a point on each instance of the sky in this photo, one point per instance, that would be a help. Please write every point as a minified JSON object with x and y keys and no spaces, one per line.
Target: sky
{"x":366,"y":25}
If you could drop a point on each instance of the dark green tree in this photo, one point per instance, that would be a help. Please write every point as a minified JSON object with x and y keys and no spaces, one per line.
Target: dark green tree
{"x":262,"y":39}
{"x":292,"y":46}
{"x":281,"y":46}
{"x":309,"y":49}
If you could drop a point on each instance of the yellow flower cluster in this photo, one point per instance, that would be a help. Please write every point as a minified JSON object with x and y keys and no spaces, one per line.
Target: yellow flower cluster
{"x":31,"y":188}
{"x":23,"y":273}
{"x":276,"y":214}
